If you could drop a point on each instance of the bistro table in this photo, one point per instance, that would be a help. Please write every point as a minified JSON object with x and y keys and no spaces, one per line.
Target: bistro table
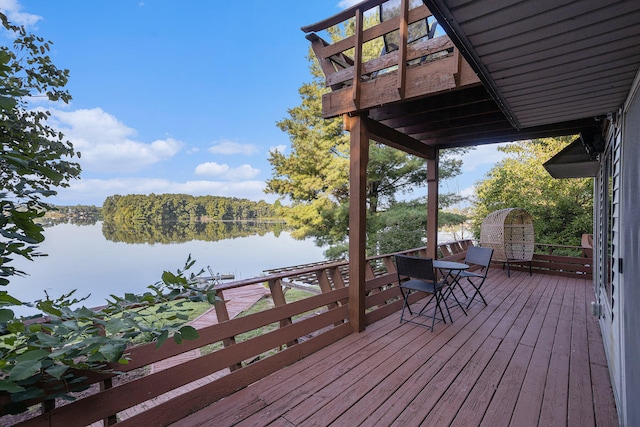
{"x":451,"y":271}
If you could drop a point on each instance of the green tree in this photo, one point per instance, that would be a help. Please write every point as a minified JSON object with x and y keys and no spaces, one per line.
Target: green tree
{"x":562,"y":209}
{"x":34,"y":157}
{"x":35,"y":160}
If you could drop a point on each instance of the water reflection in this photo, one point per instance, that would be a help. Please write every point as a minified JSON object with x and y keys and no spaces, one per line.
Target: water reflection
{"x":101,"y":263}
{"x":213,"y":231}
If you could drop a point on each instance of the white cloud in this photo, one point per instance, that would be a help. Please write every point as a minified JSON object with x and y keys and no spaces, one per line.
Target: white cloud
{"x":108,"y":145}
{"x":242,"y":173}
{"x":468,"y":192}
{"x":230,"y":147}
{"x":482,"y":156}
{"x":12,"y":9}
{"x":213,"y":169}
{"x":279,"y":148}
{"x":345,"y":4}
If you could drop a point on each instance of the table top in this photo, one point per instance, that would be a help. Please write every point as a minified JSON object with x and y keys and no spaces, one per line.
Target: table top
{"x":449,"y":265}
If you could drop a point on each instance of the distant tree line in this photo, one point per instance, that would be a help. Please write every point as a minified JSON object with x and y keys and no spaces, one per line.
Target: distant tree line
{"x":163,"y":208}
{"x":78,"y":215}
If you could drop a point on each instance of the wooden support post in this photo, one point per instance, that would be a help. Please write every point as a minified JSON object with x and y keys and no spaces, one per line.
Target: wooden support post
{"x":357,"y":59}
{"x":432,"y":206}
{"x":457,"y":67}
{"x":359,"y":157}
{"x":402,"y":54}
{"x":111,"y":419}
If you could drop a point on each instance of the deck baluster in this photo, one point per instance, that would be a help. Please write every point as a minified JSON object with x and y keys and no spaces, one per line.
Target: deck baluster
{"x":277,"y":294}
{"x":223,"y":315}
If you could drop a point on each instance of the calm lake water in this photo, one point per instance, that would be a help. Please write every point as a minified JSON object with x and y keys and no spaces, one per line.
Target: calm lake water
{"x":80,"y":257}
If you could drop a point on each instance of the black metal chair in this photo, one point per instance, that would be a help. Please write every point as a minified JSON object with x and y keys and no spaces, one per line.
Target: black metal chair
{"x":479,"y":257}
{"x":416,"y":274}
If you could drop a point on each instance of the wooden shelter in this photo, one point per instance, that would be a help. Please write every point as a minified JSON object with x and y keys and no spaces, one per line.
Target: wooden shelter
{"x":421,"y":98}
{"x":504,"y":72}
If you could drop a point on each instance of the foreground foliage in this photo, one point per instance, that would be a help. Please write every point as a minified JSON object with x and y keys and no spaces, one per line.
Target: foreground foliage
{"x":34,"y":158}
{"x":45,"y":356}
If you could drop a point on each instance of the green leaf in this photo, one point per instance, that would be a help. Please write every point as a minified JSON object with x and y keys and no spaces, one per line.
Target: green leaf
{"x":28,"y":393}
{"x":113,"y":352}
{"x":48,"y":308}
{"x":35,"y":327}
{"x":47,"y":340}
{"x":10,"y":386}
{"x":50,"y":173}
{"x":57,"y":371}
{"x":32,"y":355}
{"x":6,"y":299}
{"x":162,"y":338}
{"x":116,"y":325}
{"x":177,"y":337}
{"x":211,"y":297}
{"x":169,"y":277}
{"x":24,"y":370}
{"x":189,"y":332}
{"x":16,"y":327}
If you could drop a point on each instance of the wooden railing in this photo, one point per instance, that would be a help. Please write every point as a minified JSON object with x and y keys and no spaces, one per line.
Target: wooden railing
{"x":416,"y":68}
{"x":229,"y":362}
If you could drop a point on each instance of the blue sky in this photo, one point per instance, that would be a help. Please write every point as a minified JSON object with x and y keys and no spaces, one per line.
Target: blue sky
{"x":182,"y":96}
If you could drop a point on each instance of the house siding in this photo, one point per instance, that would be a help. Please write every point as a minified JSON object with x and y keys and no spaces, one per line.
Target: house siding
{"x":630,"y":252}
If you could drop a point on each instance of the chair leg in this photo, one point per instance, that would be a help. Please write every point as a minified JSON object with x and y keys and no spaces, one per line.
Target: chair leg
{"x":405,"y":304}
{"x":463,"y":292}
{"x":435,"y":313}
{"x":450,"y":292}
{"x":477,"y":292}
{"x":447,"y":307}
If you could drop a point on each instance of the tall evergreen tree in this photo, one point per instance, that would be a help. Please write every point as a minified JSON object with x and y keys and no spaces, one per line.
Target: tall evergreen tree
{"x":314,"y":176}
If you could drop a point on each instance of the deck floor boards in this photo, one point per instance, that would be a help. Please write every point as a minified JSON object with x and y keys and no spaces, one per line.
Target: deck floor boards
{"x":532,"y":356}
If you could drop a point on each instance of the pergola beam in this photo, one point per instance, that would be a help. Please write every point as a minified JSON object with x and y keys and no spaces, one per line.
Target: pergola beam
{"x":391,"y":137}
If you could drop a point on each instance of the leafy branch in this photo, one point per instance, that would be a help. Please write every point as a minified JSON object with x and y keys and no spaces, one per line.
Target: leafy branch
{"x":47,"y":357}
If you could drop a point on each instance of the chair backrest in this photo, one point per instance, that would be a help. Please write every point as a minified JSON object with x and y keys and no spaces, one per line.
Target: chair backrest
{"x":479,"y":256}
{"x":415,"y":267}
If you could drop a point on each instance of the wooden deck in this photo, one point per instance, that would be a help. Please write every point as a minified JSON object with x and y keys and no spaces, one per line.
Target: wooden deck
{"x":533,"y":356}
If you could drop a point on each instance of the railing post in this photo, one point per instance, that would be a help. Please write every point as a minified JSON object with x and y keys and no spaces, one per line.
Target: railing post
{"x":325,"y":286}
{"x":357,"y":59}
{"x":338,"y":281}
{"x":432,"y":205}
{"x":223,"y":315}
{"x":402,"y":54}
{"x":275,"y":285}
{"x":105,"y":385}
